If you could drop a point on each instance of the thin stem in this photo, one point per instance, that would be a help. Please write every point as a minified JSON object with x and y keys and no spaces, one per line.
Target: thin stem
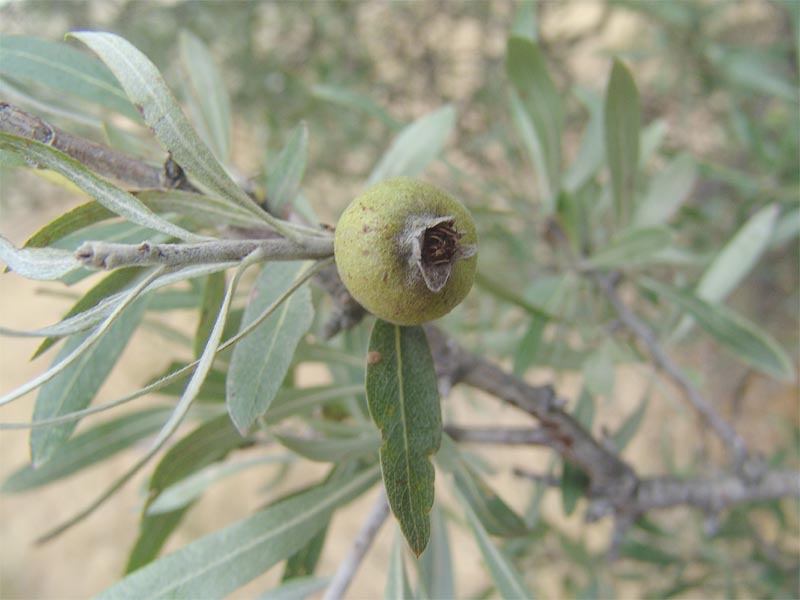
{"x":664,"y":362}
{"x":716,"y":493}
{"x":610,"y":475}
{"x":205,"y":362}
{"x":544,"y":478}
{"x":96,"y":157}
{"x":123,"y":168}
{"x":179,"y":373}
{"x":512,"y":436}
{"x":83,"y":347}
{"x":105,"y":255}
{"x":270,"y":309}
{"x":88,"y":318}
{"x":348,"y":567}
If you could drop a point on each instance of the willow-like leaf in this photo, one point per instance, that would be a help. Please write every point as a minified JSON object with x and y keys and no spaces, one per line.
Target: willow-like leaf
{"x":296,"y":588}
{"x":113,"y":198}
{"x":735,"y":261}
{"x":74,"y":387}
{"x":113,"y":283}
{"x":537,"y":108}
{"x":524,"y":22}
{"x":630,"y":426}
{"x":590,"y":155}
{"x":209,"y":442}
{"x":493,"y":512}
{"x":622,"y":125}
{"x":506,"y":577}
{"x":260,"y":362}
{"x":92,"y":316}
{"x":154,"y":531}
{"x":631,"y":247}
{"x":669,"y":189}
{"x":63,"y":68}
{"x":498,"y":290}
{"x":739,"y":255}
{"x":44,"y":264}
{"x":149,"y":93}
{"x":69,"y":222}
{"x":192,"y":207}
{"x":397,"y":584}
{"x":299,"y":401}
{"x":88,"y":448}
{"x":732,"y":331}
{"x":202,"y":209}
{"x":347,"y":98}
{"x":181,"y":372}
{"x":403,"y":399}
{"x":212,"y":296}
{"x":286,"y":171}
{"x":179,"y":412}
{"x":208,"y":92}
{"x":436,"y":563}
{"x":193,"y":486}
{"x":304,"y":561}
{"x":416,"y":146}
{"x":83,"y":346}
{"x":598,"y":370}
{"x":217,"y":564}
{"x":333,"y":449}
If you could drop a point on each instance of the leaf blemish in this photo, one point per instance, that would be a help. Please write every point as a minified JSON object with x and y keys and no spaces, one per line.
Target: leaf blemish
{"x":373,"y":358}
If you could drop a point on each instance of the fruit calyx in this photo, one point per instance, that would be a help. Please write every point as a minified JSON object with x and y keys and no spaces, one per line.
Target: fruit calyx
{"x":434,"y":247}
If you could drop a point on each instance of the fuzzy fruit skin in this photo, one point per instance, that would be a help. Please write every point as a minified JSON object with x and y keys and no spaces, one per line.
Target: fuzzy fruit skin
{"x":373,"y":265}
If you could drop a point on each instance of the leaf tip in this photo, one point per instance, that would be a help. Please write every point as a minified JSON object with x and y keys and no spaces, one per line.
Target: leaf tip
{"x":241,"y":424}
{"x":418,"y":546}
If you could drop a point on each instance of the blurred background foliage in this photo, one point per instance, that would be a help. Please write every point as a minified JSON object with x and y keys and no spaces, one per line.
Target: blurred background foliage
{"x":719,"y":74}
{"x":717,"y":80}
{"x":718,"y":83}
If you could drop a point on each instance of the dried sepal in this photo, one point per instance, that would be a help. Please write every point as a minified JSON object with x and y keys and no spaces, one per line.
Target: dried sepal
{"x":435,"y":246}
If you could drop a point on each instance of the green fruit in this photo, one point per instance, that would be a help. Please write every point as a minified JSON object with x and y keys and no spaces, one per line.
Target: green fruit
{"x":406,"y":251}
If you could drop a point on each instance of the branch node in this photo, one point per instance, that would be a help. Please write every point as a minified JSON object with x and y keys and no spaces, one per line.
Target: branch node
{"x":174,"y":175}
{"x":753,"y":469}
{"x":553,"y":401}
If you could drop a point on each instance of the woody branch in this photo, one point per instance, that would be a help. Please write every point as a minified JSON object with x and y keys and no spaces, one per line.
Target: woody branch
{"x":615,"y":488}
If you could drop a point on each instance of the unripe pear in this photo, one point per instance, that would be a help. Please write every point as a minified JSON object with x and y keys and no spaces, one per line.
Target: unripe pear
{"x":406,"y":250}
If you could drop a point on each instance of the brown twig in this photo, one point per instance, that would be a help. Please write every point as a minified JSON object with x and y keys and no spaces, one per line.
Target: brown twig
{"x":511,"y":436}
{"x":348,"y":567}
{"x":103,"y":160}
{"x":664,"y":362}
{"x":615,"y":488}
{"x":714,"y":494}
{"x":346,"y":313}
{"x":545,"y":478}
{"x":105,"y":255}
{"x":613,"y":482}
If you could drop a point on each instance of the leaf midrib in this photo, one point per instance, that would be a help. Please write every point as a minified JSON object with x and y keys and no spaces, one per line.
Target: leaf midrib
{"x":402,"y":401}
{"x":268,"y":355}
{"x":104,"y":85}
{"x":194,"y":149}
{"x":499,"y":560}
{"x":327,"y":503}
